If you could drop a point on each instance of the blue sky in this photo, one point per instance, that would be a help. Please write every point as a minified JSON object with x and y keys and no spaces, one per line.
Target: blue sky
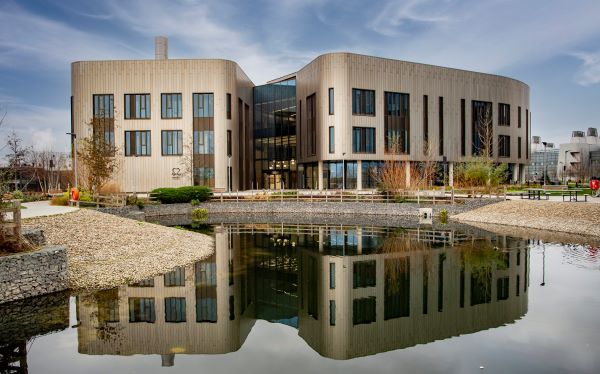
{"x":552,"y":45}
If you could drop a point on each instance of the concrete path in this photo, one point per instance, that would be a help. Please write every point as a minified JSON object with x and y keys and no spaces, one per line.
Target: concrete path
{"x":43,"y":208}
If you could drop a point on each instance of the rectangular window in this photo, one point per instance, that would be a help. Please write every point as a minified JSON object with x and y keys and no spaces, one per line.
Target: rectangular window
{"x":482,"y":128}
{"x":519,"y":147}
{"x":518,"y":284}
{"x":203,"y":105}
{"x":363,"y":102}
{"x":463,"y":129}
{"x":503,"y":146}
{"x":174,"y":309}
{"x":332,"y":275}
{"x":363,"y":311}
{"x":228,"y":104}
{"x":104,"y":106}
{"x":231,"y":308}
{"x":519,"y":117}
{"x":331,"y":139}
{"x":206,"y":290}
{"x":396,"y":123}
{"x":363,"y":274}
{"x":137,"y":106}
{"x":229,"y":143}
{"x":172,"y":142}
{"x":425,"y":295}
{"x":503,"y":288}
{"x":204,"y":142}
{"x":204,"y":176}
{"x":311,"y":123}
{"x":142,"y":309}
{"x":175,"y":278}
{"x":331,"y":100}
{"x":137,"y":143}
{"x":396,"y":288}
{"x":441,"y":125}
{"x":526,"y":134}
{"x":442,"y":260}
{"x":363,"y":140}
{"x":104,"y":118}
{"x":108,"y":306}
{"x":425,"y":125}
{"x":331,"y":312}
{"x":170,"y":105}
{"x":503,"y":114}
{"x":481,"y":286}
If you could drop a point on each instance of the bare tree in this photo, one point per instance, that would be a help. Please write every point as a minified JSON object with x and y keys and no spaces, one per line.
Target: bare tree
{"x":400,"y":175}
{"x":97,"y":159}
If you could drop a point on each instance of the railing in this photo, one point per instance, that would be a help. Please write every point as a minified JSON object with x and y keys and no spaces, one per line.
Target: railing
{"x":451,"y":196}
{"x":115,"y":200}
{"x":12,"y":225}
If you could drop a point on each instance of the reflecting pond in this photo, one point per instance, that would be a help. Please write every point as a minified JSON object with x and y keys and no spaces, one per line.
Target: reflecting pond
{"x":329,"y":298}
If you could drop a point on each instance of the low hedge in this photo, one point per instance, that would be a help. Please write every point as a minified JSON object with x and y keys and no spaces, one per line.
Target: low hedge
{"x":182,"y":194}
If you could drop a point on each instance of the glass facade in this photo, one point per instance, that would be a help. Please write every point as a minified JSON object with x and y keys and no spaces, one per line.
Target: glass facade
{"x":333,"y":177}
{"x":137,"y":106}
{"x":275,"y":159}
{"x":137,"y":143}
{"x":363,"y":102}
{"x":363,"y":140}
{"x":370,"y":173}
{"x":170,"y":105}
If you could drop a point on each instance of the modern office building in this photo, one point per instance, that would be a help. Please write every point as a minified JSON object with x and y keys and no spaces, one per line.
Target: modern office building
{"x":333,"y":122}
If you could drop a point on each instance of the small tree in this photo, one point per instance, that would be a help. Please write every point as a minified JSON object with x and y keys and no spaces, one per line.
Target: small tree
{"x":393,"y":175}
{"x":97,"y":159}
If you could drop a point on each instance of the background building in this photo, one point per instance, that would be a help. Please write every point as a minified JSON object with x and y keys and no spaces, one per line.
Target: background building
{"x":329,"y":125}
{"x":544,"y":159}
{"x":580,"y":158}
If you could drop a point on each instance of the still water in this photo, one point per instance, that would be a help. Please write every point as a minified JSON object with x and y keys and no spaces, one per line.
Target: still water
{"x":284,"y":298}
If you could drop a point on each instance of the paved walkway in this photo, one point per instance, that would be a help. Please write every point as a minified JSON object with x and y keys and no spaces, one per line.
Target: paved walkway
{"x":43,"y":208}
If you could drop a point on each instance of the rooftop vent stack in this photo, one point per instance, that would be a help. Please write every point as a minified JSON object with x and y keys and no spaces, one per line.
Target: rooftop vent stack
{"x":578,"y":137}
{"x":161,"y":48}
{"x":549,"y":145}
{"x":592,"y":135}
{"x":536,"y":140}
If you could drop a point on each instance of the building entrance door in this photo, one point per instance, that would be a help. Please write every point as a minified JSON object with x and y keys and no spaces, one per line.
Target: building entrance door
{"x":273,"y":181}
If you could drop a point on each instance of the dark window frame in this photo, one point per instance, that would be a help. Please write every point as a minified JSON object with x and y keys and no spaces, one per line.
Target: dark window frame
{"x":128,"y":100}
{"x":228,"y":105}
{"x":463,"y":127}
{"x":168,"y":98}
{"x":503,"y":114}
{"x":396,"y":122}
{"x":179,"y":141}
{"x":362,"y":146}
{"x":441,"y":125}
{"x":363,"y":102}
{"x":425,"y":124}
{"x":331,"y":139}
{"x":132,"y":144}
{"x":504,"y":146}
{"x":331,"y":101}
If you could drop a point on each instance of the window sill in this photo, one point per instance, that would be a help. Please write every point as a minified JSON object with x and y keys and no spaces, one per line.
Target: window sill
{"x":125,"y":118}
{"x":171,"y":117}
{"x":363,"y":115}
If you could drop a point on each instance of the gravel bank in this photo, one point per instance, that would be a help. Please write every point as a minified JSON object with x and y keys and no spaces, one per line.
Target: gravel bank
{"x":573,"y":218}
{"x":105,"y":251}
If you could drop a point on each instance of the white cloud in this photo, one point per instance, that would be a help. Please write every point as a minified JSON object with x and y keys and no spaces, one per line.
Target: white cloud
{"x":589,"y":73}
{"x":29,"y":41}
{"x":41,"y":127}
{"x":485,"y":35}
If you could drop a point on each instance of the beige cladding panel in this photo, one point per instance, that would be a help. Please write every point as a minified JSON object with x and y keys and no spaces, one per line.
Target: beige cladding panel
{"x":156,"y":77}
{"x":344,"y":71}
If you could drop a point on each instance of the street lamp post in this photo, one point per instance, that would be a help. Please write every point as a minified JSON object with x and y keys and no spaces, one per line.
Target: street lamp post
{"x":565,"y":166}
{"x":343,"y":171}
{"x":544,"y":166}
{"x":74,"y":142}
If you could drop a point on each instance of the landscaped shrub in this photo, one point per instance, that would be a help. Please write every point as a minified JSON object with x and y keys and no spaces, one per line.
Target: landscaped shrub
{"x":60,"y":200}
{"x":182,"y":194}
{"x":195,"y":202}
{"x":17,"y":195}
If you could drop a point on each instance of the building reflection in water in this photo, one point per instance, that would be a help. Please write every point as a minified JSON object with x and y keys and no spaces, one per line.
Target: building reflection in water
{"x":350,"y":292}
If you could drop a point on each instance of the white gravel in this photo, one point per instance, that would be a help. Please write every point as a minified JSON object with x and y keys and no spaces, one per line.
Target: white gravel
{"x":574,"y":218}
{"x":105,"y":251}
